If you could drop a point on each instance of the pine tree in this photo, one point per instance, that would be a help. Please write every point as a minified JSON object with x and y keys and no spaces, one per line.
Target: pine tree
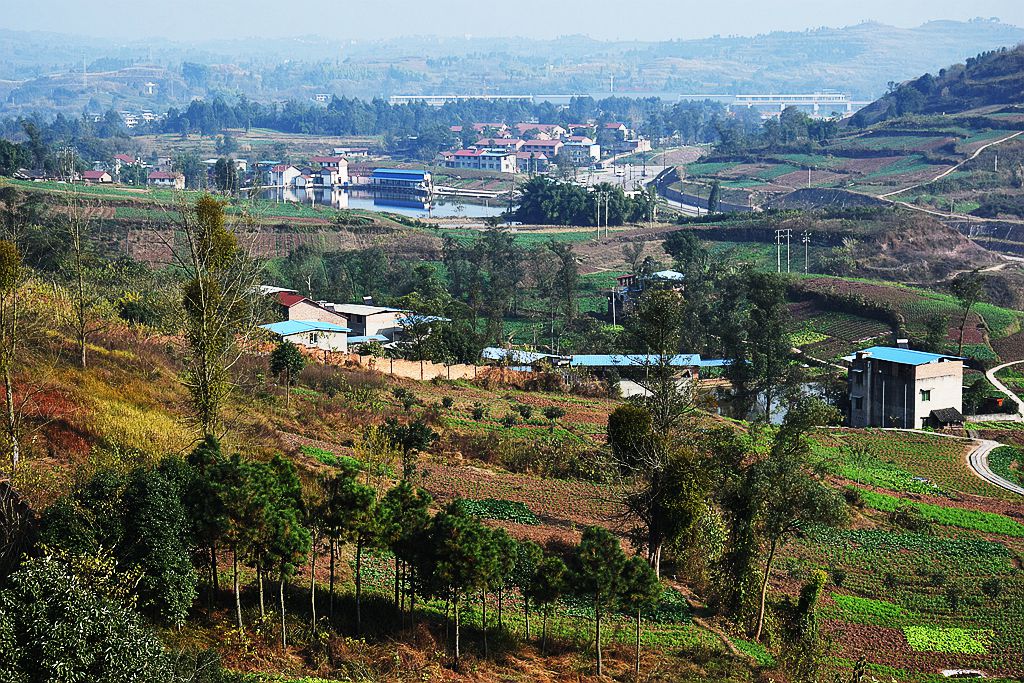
{"x":640,"y":590}
{"x":547,"y":585}
{"x":597,"y":572}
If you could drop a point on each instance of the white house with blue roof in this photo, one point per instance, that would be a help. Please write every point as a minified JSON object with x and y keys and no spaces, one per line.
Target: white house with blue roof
{"x":312,"y":334}
{"x":897,"y":387}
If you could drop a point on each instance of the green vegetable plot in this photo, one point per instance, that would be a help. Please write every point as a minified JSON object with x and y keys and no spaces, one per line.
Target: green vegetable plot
{"x":987,"y":522}
{"x":493,"y":508}
{"x":956,"y":640}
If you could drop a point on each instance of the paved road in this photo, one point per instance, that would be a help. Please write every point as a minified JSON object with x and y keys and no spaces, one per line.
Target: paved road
{"x":948,"y":171}
{"x":978,"y":460}
{"x":991,"y":375}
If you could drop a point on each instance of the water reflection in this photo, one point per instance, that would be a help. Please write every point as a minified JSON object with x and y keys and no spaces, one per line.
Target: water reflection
{"x":417,"y":206}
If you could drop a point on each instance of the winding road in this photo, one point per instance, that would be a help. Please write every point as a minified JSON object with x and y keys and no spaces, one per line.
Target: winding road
{"x":997,"y":383}
{"x":978,"y":460}
{"x":948,"y":171}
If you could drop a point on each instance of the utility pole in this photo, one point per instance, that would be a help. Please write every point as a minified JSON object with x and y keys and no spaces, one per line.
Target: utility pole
{"x":779,"y":234}
{"x":607,"y":199}
{"x":807,"y":243}
{"x":789,"y":234}
{"x":778,"y":251}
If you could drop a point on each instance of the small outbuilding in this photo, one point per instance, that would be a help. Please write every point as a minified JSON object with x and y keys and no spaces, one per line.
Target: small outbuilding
{"x":312,"y":334}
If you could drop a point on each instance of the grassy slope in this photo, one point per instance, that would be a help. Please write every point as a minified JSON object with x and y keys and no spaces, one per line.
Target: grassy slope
{"x":127,"y":408}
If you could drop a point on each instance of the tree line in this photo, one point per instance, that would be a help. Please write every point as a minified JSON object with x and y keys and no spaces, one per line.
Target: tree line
{"x":418,"y":129}
{"x":162,"y":535}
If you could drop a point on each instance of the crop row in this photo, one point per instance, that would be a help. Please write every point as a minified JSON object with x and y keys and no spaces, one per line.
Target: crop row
{"x":1008,"y":463}
{"x":986,"y":522}
{"x":877,"y":551}
{"x":496,"y":508}
{"x":937,"y":462}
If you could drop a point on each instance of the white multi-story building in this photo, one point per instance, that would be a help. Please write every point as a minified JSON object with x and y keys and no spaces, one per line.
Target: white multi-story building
{"x":482,"y":160}
{"x":582,"y":151}
{"x":898,"y":387}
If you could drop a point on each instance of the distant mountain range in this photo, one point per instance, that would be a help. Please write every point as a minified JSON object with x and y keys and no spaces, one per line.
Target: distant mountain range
{"x":89,"y":74}
{"x":994,"y":78}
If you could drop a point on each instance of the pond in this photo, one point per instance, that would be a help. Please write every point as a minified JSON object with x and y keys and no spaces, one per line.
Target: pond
{"x":404,"y":204}
{"x":780,"y":405}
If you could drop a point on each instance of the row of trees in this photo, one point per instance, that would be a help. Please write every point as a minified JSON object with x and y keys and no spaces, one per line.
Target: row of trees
{"x":543,"y":201}
{"x":721,"y":502}
{"x":163,"y":527}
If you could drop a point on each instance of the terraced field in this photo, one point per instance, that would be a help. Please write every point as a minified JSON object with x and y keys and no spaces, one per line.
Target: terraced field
{"x":829,"y":335}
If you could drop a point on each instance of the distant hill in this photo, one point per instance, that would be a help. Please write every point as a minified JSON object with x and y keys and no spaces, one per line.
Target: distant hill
{"x":993,"y":78}
{"x":858,"y":59}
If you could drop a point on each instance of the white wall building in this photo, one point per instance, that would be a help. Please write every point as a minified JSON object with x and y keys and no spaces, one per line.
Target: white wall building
{"x":897,"y":387}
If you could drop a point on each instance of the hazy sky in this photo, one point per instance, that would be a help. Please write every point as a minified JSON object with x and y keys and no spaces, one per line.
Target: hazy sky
{"x":606,"y":19}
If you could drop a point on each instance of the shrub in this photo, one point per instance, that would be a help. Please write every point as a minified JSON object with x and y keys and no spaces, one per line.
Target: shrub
{"x":838,"y":576}
{"x":853,"y":497}
{"x":909,"y":518}
{"x":992,"y":587}
{"x":509,"y":420}
{"x":954,"y":595}
{"x":447,"y":402}
{"x":479,"y":411}
{"x":554,"y":412}
{"x":525,"y":411}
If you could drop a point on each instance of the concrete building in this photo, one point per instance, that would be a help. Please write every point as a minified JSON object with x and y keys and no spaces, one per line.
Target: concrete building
{"x":531,"y":162}
{"x":367,"y":320}
{"x":549,"y":148}
{"x":482,"y":160}
{"x":336,"y":166}
{"x":166,"y":179}
{"x":582,"y":150}
{"x":100,"y":177}
{"x":551,"y":131}
{"x":352,"y":151}
{"x":283,"y":175}
{"x":312,"y":334}
{"x":499,"y":144}
{"x":897,"y":387}
{"x":298,"y":307}
{"x":401,"y":180}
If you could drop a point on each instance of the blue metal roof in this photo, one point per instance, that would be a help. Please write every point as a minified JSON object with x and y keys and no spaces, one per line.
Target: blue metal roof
{"x":416,"y":319}
{"x":515,"y":355}
{"x":683,"y":360}
{"x":403,"y":173}
{"x":361,"y":339}
{"x":286,"y":328}
{"x":906,"y":356}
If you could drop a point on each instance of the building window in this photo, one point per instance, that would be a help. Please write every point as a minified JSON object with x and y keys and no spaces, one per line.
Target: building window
{"x":926,"y":394}
{"x":858,"y":403}
{"x":312,"y":338}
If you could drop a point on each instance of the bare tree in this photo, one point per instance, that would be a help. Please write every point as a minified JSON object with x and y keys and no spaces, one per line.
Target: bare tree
{"x":219,"y":301}
{"x":10,"y":288}
{"x":85,"y":322}
{"x":633,"y":252}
